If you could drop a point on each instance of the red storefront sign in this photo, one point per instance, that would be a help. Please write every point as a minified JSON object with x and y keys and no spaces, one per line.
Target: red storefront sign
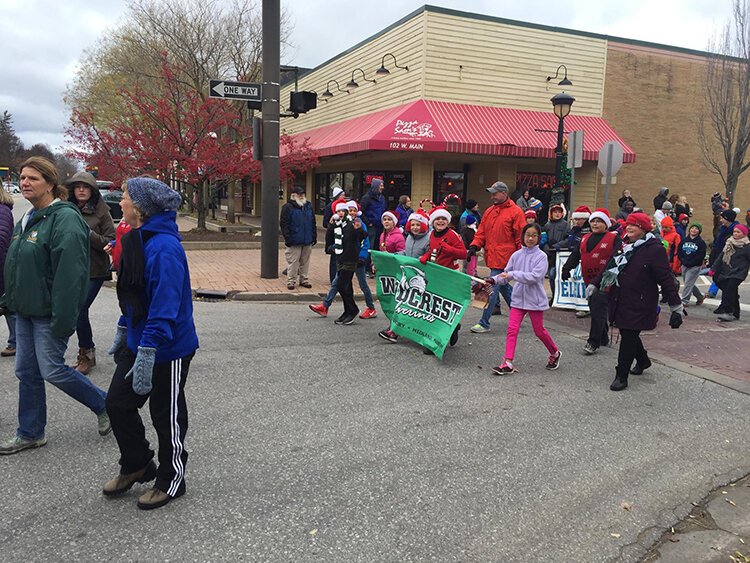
{"x":535,"y":180}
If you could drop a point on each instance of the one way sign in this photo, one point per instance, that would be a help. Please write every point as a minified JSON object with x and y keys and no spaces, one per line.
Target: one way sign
{"x":235,"y":90}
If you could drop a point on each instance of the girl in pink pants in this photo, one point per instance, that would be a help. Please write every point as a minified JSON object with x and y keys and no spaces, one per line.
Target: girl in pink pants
{"x":526,"y":268}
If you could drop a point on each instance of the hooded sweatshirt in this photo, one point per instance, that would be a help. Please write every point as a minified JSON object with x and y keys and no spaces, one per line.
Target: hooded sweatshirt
{"x":527,"y":268}
{"x":660,"y":198}
{"x":692,"y":251}
{"x":417,"y":245}
{"x":169,"y":325}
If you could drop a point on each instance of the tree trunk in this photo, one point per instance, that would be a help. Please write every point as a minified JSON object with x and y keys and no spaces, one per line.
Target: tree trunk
{"x":212,"y":193}
{"x":731,"y":186}
{"x":230,"y":201}
{"x":201,"y":201}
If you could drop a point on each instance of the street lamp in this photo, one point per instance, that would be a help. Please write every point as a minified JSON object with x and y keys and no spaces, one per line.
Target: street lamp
{"x":561,"y":104}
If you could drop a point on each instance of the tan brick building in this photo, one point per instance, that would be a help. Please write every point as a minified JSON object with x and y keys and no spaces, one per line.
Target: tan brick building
{"x":479,"y":87}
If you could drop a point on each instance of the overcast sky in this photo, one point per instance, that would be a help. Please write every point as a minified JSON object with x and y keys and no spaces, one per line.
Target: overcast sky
{"x":42,"y":40}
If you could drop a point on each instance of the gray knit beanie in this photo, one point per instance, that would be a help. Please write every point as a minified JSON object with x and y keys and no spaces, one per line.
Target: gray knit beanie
{"x":152,"y":196}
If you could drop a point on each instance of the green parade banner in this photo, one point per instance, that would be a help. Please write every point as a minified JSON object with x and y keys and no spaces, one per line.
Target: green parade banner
{"x":424,"y":303}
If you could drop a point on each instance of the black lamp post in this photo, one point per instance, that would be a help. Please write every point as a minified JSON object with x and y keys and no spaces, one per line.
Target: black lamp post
{"x":561,"y":104}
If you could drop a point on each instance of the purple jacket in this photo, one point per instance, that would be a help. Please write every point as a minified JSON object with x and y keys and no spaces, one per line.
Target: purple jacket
{"x":6,"y":231}
{"x":527,"y":268}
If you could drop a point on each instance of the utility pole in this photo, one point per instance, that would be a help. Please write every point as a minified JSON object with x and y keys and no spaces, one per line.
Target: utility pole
{"x":270,"y":181}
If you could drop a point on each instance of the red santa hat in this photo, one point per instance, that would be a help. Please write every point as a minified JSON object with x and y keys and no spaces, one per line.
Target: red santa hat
{"x":341,"y":206}
{"x":603,"y":215}
{"x":438,"y":212}
{"x":530,"y":213}
{"x":392,"y":216}
{"x":581,"y":212}
{"x":422,"y":218}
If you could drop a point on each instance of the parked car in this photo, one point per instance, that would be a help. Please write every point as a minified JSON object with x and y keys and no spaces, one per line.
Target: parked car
{"x":111,"y":195}
{"x":12,"y":188}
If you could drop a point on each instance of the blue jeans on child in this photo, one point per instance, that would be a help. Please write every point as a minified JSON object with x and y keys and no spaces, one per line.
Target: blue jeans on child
{"x":40,"y":357}
{"x":505,"y":289}
{"x":83,"y":328}
{"x":362,"y":279}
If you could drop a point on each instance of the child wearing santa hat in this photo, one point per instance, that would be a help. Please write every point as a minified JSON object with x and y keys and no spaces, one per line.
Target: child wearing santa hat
{"x":345,"y":236}
{"x":446,"y":249}
{"x":530,"y":216}
{"x":417,"y":243}
{"x":594,"y":253}
{"x":392,"y":238}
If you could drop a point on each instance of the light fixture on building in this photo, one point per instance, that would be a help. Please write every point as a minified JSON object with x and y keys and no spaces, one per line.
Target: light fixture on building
{"x":328,"y":94}
{"x":564,"y":81}
{"x":561,"y":104}
{"x":383,"y":71}
{"x":352,"y":84}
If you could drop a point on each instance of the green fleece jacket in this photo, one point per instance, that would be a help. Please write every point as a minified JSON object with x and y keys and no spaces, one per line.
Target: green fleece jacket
{"x":47,"y":267}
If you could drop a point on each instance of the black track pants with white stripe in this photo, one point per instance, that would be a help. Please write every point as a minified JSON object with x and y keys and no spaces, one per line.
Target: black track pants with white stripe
{"x":168,"y":414}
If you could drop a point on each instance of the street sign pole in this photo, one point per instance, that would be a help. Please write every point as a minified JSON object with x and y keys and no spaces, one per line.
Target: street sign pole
{"x":269,"y":242}
{"x":610,"y":161}
{"x":575,"y":160}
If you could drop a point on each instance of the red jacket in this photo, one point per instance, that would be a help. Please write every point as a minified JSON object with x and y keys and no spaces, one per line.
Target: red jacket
{"x":499,"y":233}
{"x":445,"y":249}
{"x":673,"y":239}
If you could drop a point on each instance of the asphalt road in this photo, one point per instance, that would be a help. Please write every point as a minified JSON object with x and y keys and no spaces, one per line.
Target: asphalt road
{"x":313,"y":442}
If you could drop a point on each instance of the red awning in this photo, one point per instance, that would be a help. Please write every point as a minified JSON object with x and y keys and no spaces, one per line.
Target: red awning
{"x":432,"y":126}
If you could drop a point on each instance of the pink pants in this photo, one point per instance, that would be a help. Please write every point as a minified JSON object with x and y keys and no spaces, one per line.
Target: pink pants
{"x":537,"y":323}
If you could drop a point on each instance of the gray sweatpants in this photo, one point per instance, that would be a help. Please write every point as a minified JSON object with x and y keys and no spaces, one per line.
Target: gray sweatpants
{"x":690,"y":275}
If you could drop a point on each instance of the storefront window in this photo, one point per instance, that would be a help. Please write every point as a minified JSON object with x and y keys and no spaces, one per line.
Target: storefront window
{"x":449,"y":183}
{"x":540,"y":186}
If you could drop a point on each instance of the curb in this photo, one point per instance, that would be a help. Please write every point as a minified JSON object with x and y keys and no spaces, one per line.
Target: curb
{"x":270,"y":297}
{"x":689,"y":369}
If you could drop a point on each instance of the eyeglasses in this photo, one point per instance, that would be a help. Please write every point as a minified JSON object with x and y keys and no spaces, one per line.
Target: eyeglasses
{"x":532,"y":235}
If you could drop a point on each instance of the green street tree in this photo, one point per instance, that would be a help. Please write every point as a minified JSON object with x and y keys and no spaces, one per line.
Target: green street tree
{"x":724,"y":123}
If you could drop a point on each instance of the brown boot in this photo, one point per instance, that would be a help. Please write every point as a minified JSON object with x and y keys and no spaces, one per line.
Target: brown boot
{"x":86,"y":360}
{"x":122,"y":483}
{"x":156,"y":498}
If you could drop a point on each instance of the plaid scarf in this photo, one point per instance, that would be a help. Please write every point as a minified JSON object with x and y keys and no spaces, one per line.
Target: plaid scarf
{"x":618,"y":262}
{"x":731,"y":246}
{"x":338,"y":233}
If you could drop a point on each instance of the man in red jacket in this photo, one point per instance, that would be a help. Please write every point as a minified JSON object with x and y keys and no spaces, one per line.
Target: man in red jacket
{"x":499,"y":234}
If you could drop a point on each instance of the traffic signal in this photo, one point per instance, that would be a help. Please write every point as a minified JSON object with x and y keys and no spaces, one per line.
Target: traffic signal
{"x":302,"y":102}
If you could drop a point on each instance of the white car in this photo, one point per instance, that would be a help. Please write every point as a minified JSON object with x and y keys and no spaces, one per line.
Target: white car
{"x":12,"y":188}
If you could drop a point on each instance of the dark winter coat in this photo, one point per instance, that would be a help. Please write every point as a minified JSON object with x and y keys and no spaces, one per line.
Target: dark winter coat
{"x":102,"y":230}
{"x":661,"y":198}
{"x":372,"y":205}
{"x":6,"y":232}
{"x":351,"y":243}
{"x":692,"y":251}
{"x":298,"y":224}
{"x":736,"y":269}
{"x":721,"y":239}
{"x":633,"y":304}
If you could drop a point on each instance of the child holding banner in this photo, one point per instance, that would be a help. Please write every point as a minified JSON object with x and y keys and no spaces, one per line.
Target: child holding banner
{"x":446,"y":249}
{"x":527,"y":268}
{"x":417,"y":243}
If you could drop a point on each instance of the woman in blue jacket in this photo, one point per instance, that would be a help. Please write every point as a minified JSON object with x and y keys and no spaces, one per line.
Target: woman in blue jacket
{"x":154,"y":344}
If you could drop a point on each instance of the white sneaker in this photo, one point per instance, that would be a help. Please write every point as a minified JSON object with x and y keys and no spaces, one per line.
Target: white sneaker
{"x":479,"y":329}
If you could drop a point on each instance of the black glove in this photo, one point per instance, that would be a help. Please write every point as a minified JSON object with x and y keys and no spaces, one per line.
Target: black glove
{"x":314,"y":242}
{"x":565,"y":275}
{"x":675,"y":319}
{"x":472,"y":251}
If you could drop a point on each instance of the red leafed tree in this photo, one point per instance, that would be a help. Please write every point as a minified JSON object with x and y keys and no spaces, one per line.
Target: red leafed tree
{"x":174,"y":132}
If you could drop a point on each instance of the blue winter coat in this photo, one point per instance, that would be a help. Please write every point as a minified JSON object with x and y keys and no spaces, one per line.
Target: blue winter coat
{"x":372,"y":205}
{"x":364,"y":250}
{"x":298,"y":224}
{"x":169,"y":326}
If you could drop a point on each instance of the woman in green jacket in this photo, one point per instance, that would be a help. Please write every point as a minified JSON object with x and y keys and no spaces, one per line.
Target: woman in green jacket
{"x":46,"y":282}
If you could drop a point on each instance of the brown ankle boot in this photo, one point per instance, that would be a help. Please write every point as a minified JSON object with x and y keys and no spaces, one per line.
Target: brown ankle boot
{"x":86,"y":360}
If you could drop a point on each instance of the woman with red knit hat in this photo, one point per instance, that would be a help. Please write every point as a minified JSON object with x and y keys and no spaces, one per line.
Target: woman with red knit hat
{"x":632,"y":279}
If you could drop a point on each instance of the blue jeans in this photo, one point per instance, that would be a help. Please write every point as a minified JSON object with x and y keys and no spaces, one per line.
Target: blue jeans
{"x":506,"y":290}
{"x":40,"y":357}
{"x":10,"y":320}
{"x":362,"y":279}
{"x":83,"y":328}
